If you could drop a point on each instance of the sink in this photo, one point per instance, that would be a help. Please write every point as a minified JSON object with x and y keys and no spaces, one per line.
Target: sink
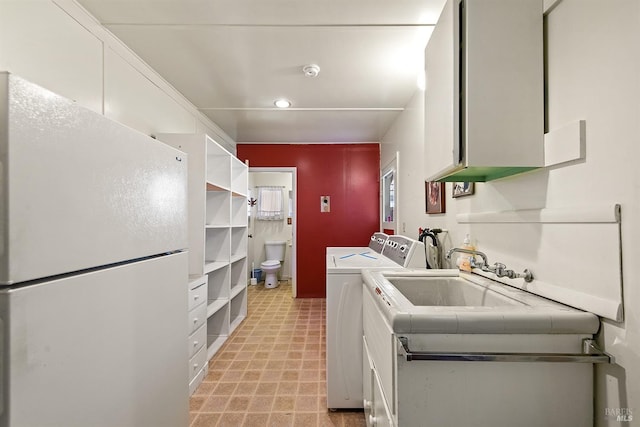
{"x":449,"y":291}
{"x":454,"y":302}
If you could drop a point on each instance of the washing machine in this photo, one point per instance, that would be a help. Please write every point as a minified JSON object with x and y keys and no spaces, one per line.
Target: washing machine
{"x":344,"y":309}
{"x":376,"y":244}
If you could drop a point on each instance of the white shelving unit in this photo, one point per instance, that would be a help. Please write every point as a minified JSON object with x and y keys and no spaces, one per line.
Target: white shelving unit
{"x":218,"y":188}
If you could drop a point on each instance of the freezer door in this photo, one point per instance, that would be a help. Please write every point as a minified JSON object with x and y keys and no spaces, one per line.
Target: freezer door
{"x":100,"y":349}
{"x":78,"y":190}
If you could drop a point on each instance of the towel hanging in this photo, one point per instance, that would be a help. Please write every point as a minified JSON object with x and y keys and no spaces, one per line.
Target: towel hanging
{"x":270,"y":203}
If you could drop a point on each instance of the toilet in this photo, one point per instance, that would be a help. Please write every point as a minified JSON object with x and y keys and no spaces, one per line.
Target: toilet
{"x":275,"y":255}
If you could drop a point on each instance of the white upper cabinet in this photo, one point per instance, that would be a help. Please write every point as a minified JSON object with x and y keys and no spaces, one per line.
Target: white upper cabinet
{"x":484,"y":98}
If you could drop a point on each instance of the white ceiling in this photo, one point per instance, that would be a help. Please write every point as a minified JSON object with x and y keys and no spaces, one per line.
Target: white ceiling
{"x":233,"y":58}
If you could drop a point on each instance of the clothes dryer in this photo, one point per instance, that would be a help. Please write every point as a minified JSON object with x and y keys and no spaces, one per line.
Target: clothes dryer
{"x":344,"y":309}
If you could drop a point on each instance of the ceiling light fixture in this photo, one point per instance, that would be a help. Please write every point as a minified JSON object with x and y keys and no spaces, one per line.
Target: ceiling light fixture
{"x":282,"y":103}
{"x":311,"y":70}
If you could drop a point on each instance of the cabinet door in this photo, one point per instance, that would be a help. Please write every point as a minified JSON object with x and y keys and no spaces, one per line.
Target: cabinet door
{"x":442,"y":134}
{"x":367,"y":383}
{"x":381,"y":412}
{"x":484,"y":102}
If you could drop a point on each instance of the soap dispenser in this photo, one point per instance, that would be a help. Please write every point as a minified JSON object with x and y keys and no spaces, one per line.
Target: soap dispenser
{"x":464,"y":260}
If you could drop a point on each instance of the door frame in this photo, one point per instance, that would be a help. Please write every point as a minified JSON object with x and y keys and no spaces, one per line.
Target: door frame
{"x":294,"y":220}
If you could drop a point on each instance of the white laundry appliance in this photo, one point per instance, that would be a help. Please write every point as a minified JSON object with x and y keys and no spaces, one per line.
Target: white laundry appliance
{"x":376,"y":243}
{"x":344,"y":309}
{"x":93,"y":268}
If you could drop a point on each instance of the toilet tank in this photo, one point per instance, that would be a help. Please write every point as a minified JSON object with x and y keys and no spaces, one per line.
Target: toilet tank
{"x":275,"y":249}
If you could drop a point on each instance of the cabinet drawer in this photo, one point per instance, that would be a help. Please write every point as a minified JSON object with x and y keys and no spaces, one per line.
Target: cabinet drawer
{"x":196,"y":363}
{"x":197,"y":340}
{"x":196,"y":381}
{"x":197,"y":317}
{"x":197,"y":296}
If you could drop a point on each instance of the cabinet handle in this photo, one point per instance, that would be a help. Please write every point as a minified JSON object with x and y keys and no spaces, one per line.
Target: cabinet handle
{"x":195,"y":320}
{"x":590,"y":354}
{"x":372,"y":420}
{"x":197,"y":297}
{"x":366,"y":404}
{"x":195,"y":343}
{"x":195,"y":366}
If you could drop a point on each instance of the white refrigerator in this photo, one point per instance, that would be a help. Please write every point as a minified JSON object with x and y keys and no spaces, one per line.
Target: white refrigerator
{"x":93,"y":268}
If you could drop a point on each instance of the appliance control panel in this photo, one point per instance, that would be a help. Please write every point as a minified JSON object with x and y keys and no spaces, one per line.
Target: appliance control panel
{"x":402,"y":250}
{"x":378,"y":241}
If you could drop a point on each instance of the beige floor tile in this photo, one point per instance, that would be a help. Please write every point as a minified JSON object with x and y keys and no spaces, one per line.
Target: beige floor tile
{"x":284,"y":403}
{"x":246,"y":388}
{"x":205,"y":388}
{"x":238,"y":404}
{"x":256,"y":420}
{"x":261,"y":403}
{"x":306,"y":404}
{"x":196,"y":402}
{"x":271,"y":370}
{"x":230,"y":419}
{"x":308,"y":388}
{"x":215,"y":404}
{"x":280,"y":420}
{"x":206,"y":420}
{"x":305,"y":420}
{"x":266,"y":388}
{"x":224,"y":389}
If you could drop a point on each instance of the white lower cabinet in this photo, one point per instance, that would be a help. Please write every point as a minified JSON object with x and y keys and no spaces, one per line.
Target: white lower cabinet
{"x":376,"y":411}
{"x":197,"y":332}
{"x":196,"y":340}
{"x":197,"y":369}
{"x":197,"y":317}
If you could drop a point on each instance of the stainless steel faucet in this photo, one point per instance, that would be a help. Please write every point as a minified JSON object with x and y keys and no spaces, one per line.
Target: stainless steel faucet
{"x":498,"y":268}
{"x":472,"y":262}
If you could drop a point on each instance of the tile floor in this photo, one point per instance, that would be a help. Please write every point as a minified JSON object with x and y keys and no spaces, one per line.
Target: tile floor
{"x":271,"y":371}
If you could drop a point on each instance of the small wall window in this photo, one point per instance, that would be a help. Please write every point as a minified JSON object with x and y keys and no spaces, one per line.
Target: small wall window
{"x":388,"y":196}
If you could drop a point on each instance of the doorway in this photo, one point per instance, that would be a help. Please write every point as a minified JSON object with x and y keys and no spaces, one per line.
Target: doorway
{"x":389,"y":196}
{"x":285,"y":229}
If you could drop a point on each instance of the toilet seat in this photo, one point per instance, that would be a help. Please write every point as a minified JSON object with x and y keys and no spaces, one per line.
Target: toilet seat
{"x":271,"y":267}
{"x":270,"y":263}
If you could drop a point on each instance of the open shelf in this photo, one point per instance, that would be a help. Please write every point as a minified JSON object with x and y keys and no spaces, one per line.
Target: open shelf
{"x":210,"y":266}
{"x":217,"y":244}
{"x":218,"y":221}
{"x":239,"y":216}
{"x":210,"y":186}
{"x":216,"y":305}
{"x":238,"y":308}
{"x":218,"y":283}
{"x":239,"y":177}
{"x":218,"y":169}
{"x":218,"y":208}
{"x":239,"y":276}
{"x":239,"y":238}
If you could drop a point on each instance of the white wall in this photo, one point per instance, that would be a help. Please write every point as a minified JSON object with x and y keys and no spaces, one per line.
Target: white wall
{"x":593,"y":66}
{"x":60,"y":46}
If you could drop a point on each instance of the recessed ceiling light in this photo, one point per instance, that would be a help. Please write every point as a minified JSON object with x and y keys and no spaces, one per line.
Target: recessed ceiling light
{"x":282,"y":103}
